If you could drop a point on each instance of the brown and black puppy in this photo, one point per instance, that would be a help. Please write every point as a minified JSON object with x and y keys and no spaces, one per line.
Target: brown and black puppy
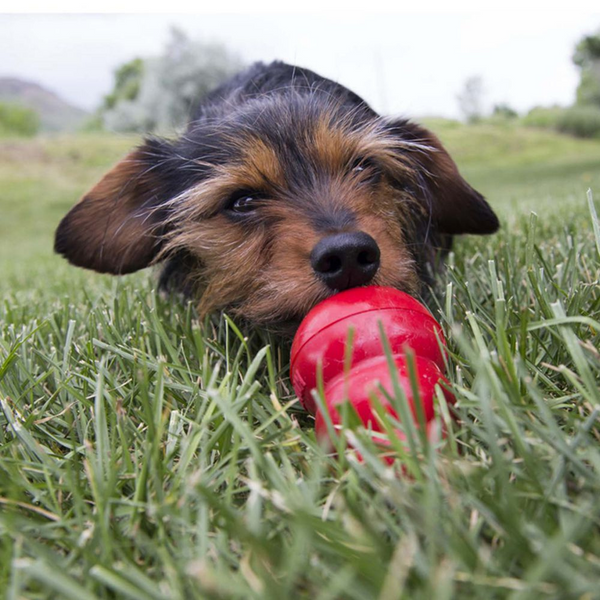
{"x":285,"y":188}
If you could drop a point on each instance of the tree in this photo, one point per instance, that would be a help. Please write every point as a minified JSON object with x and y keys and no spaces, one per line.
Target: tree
{"x":470,"y":99}
{"x":128,"y":79}
{"x":505,"y":111}
{"x":160,"y":93}
{"x":587,"y":58}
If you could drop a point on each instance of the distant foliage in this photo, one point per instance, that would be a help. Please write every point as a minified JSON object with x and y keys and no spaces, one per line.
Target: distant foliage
{"x":18,"y":120}
{"x":583,"y":118}
{"x":505,"y":111}
{"x":587,"y":58}
{"x":588,"y":90}
{"x":128,"y":80}
{"x":470,"y":99}
{"x":580,"y":121}
{"x":159,"y":94}
{"x":543,"y":117}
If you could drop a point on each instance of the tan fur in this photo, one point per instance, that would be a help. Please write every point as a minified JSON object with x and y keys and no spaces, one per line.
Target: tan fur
{"x":264,"y":274}
{"x":240,"y":207}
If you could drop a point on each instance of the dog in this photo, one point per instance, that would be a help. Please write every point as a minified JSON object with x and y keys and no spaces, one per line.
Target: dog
{"x":285,"y":188}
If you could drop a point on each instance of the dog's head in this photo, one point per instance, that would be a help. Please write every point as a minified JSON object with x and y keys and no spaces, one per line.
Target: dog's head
{"x":277,"y":204}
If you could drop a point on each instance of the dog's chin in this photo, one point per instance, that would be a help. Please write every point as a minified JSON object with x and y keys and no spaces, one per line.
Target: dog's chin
{"x":279,"y":308}
{"x":283,"y":320}
{"x":283,"y":324}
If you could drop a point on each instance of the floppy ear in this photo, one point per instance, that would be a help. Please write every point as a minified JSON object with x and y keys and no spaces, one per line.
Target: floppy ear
{"x":117,"y":226}
{"x":455,"y":206}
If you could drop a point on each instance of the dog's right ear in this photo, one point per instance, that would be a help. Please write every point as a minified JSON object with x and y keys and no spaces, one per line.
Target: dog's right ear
{"x":453,"y":205}
{"x":117,"y":226}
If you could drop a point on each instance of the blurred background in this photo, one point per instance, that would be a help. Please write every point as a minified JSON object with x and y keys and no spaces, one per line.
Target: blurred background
{"x":514,"y":96}
{"x":140,"y":72}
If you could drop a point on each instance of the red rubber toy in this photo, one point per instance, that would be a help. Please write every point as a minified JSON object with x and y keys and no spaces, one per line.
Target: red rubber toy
{"x":322,"y":339}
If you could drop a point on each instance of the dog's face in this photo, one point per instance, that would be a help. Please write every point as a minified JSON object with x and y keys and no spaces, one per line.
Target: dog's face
{"x":277,"y":205}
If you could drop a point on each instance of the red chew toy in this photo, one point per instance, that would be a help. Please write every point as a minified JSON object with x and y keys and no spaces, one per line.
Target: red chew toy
{"x":322,"y":339}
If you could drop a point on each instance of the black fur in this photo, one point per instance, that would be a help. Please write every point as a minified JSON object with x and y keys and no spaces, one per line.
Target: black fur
{"x":249,"y":102}
{"x":278,"y":103}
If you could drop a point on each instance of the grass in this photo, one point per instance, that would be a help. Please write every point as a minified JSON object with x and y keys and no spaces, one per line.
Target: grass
{"x":146,"y":455}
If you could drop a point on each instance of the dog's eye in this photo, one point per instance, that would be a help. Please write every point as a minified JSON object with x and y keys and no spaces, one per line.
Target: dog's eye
{"x":367,"y":169}
{"x":243,"y":202}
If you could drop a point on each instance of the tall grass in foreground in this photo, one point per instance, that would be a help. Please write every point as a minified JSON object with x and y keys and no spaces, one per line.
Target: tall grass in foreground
{"x":145,"y":455}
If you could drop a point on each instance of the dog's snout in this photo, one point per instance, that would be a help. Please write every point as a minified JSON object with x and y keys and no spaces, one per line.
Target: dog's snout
{"x":345,"y":260}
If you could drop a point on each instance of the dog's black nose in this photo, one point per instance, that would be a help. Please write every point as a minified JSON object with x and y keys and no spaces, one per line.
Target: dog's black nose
{"x":346,"y":260}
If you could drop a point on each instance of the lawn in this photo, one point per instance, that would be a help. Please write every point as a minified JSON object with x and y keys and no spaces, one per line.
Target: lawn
{"x":146,"y":455}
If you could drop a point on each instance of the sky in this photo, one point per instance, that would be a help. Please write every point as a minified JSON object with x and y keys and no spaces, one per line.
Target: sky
{"x":411,"y":64}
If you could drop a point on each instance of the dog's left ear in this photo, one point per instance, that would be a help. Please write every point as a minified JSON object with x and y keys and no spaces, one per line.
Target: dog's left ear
{"x":118,"y":225}
{"x":455,"y":206}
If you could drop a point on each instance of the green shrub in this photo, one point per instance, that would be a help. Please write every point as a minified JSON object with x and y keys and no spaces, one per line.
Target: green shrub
{"x":18,"y":120}
{"x":159,"y":93}
{"x":580,"y":121}
{"x":543,"y":117}
{"x":588,"y":90}
{"x":505,"y":111}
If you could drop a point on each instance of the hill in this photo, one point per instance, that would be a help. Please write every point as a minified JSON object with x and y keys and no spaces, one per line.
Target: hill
{"x":55,"y":113}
